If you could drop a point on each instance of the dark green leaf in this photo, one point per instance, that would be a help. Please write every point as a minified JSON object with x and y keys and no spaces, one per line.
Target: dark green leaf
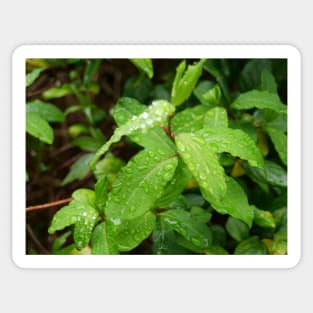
{"x":144,"y":65}
{"x":185,"y":81}
{"x":268,"y":82}
{"x":59,"y":242}
{"x":279,"y":140}
{"x":251,"y":246}
{"x":131,"y":232}
{"x":200,"y":215}
{"x":218,"y":234}
{"x":139,"y":184}
{"x":215,"y":250}
{"x":47,"y":111}
{"x":260,"y":100}
{"x":90,"y":70}
{"x":79,"y":169}
{"x":103,"y":240}
{"x":234,"y":141}
{"x":39,"y":128}
{"x":250,"y":77}
{"x":138,"y":87}
{"x":237,"y":229}
{"x":203,"y":163}
{"x":182,"y":222}
{"x":87,"y":143}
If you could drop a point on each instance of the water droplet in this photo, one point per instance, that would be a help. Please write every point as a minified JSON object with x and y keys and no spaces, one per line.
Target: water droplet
{"x":84,"y":214}
{"x":144,"y":115}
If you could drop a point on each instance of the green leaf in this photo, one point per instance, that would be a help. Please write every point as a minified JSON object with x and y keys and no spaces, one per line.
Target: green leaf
{"x":189,"y":120}
{"x":175,"y":186}
{"x":47,"y":111}
{"x":250,"y":77}
{"x":58,"y":92}
{"x":234,"y":141}
{"x":279,"y":140}
{"x":138,"y":87}
{"x":85,"y":197}
{"x":202,"y":88}
{"x":90,"y":70}
{"x":131,"y":232}
{"x":200,"y":215}
{"x":155,"y":115}
{"x":32,"y":76}
{"x":214,"y":69}
{"x":108,"y":167}
{"x":263,"y":218}
{"x":59,"y":242}
{"x":164,"y":240}
{"x":74,"y":213}
{"x":182,"y":222}
{"x":203,"y":163}
{"x":234,"y":203}
{"x":213,"y":96}
{"x":103,"y":240}
{"x":218,"y":234}
{"x":139,"y":184}
{"x":84,"y":225}
{"x":185,"y":81}
{"x":215,"y":250}
{"x":215,"y":118}
{"x":237,"y":229}
{"x":144,"y":65}
{"x":260,"y":100}
{"x":101,"y":192}
{"x":39,"y":128}
{"x":268,"y":82}
{"x":153,"y":139}
{"x":87,"y":143}
{"x":252,"y":246}
{"x":79,"y":169}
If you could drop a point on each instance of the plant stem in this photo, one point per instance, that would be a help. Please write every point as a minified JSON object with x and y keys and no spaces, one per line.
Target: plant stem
{"x":48,"y":205}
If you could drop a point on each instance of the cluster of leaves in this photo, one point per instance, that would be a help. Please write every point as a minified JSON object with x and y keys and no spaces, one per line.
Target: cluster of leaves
{"x":210,"y":176}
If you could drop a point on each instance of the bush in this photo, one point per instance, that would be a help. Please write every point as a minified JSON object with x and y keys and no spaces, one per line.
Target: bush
{"x":157,"y":156}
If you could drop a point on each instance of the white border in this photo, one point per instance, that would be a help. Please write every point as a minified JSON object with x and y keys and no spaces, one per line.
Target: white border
{"x":156,"y":51}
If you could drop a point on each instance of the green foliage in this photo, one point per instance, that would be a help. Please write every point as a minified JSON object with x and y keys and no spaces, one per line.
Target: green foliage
{"x":185,"y":162}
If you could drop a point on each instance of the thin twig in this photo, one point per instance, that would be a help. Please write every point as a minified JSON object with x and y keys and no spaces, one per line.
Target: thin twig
{"x":48,"y":205}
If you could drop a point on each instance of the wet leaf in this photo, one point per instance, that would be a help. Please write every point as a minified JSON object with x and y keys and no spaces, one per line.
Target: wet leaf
{"x":197,"y":233}
{"x":252,"y":246}
{"x":155,"y":115}
{"x":103,"y":240}
{"x":185,"y":81}
{"x":139,"y":184}
{"x":263,"y":218}
{"x":279,"y":140}
{"x":203,"y":163}
{"x":216,"y":117}
{"x":131,"y":232}
{"x":237,"y":229}
{"x":234,"y":141}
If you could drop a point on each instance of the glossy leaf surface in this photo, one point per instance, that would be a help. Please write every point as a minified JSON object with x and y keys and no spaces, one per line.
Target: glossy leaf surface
{"x":144,"y":65}
{"x":260,"y":100}
{"x":185,"y":81}
{"x":103,"y":240}
{"x":139,"y":184}
{"x":203,"y":163}
{"x":234,"y":141}
{"x":182,"y":222}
